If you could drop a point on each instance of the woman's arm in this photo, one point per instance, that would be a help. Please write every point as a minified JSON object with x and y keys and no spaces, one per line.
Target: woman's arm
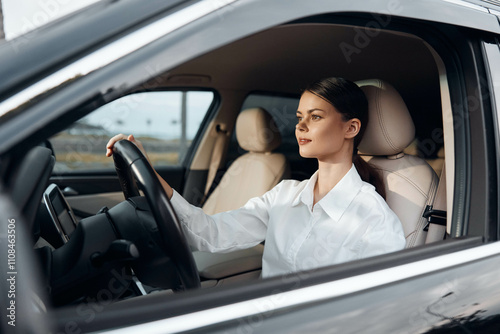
{"x":226,"y":231}
{"x":237,"y":229}
{"x":109,"y":152}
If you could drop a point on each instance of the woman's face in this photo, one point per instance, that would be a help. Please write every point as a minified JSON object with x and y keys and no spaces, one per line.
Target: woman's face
{"x":321,"y":133}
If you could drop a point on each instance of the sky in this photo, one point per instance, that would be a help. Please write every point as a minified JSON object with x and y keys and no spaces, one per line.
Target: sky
{"x":156,"y":114}
{"x":21,"y":16}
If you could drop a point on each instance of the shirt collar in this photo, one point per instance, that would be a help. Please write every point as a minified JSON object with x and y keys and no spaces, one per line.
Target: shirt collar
{"x":338,"y":198}
{"x":307,"y":194}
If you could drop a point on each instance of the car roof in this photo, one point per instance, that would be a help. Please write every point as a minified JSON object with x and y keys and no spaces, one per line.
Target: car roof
{"x":490,"y":4}
{"x":51,"y":47}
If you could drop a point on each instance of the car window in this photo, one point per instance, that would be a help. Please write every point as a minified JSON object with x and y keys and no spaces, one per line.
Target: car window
{"x":165,"y":122}
{"x":283,"y":110}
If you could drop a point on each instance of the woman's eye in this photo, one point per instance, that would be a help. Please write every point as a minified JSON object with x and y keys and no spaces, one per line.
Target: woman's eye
{"x":299,"y":118}
{"x":315,"y":117}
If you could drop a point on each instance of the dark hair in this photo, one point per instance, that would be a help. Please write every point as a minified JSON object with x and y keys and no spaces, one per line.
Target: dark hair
{"x":349,"y":100}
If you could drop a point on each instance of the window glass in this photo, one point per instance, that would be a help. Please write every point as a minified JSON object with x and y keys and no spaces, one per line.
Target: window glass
{"x":165,"y":122}
{"x":283,"y":110}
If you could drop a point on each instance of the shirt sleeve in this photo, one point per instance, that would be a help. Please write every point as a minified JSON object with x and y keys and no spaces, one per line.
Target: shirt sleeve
{"x":226,"y":231}
{"x":384,"y":235}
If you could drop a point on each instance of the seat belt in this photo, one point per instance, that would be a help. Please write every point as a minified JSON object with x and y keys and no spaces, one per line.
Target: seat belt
{"x":436,"y":213}
{"x":216,"y":159}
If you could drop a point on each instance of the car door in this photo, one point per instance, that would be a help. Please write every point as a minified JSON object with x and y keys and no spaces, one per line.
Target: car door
{"x":449,"y":283}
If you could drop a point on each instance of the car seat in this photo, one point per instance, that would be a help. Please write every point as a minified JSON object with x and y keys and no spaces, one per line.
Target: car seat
{"x":410,"y":182}
{"x":250,"y":175}
{"x":255,"y":172}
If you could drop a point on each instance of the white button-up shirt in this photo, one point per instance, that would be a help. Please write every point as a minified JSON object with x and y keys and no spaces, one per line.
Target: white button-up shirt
{"x":351,"y":222}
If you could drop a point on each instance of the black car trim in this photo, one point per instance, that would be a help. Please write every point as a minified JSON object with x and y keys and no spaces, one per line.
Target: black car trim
{"x":158,"y":306}
{"x":312,"y":294}
{"x":492,"y":63}
{"x":481,"y":205}
{"x":489,"y":133}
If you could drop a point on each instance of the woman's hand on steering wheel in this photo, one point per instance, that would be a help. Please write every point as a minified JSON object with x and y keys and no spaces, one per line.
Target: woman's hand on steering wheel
{"x":131,"y":138}
{"x":121,"y":136}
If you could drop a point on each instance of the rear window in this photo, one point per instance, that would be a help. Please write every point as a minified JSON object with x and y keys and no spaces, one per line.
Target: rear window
{"x":283,"y":110}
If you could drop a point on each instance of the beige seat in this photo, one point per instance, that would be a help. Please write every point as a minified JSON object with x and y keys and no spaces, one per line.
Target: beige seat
{"x":410,"y":182}
{"x":436,"y":163}
{"x":250,"y":175}
{"x":255,"y":172}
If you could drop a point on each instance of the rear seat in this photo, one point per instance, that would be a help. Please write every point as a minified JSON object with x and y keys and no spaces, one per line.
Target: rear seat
{"x":436,"y":163}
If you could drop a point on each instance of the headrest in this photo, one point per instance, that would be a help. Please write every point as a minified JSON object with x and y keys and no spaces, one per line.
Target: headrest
{"x":256,"y":131}
{"x":390,"y":128}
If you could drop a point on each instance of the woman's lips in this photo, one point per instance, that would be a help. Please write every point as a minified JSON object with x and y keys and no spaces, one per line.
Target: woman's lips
{"x":303,"y":141}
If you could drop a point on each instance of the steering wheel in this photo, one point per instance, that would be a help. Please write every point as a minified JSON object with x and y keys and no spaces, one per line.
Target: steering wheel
{"x":132,"y":166}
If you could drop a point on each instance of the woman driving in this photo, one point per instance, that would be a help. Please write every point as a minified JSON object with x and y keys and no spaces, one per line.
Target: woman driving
{"x":338,"y":215}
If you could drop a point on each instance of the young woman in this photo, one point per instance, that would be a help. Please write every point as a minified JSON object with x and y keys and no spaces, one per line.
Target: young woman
{"x":334,"y":217}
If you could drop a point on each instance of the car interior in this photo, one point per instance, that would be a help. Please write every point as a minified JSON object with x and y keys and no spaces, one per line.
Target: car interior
{"x":246,"y":145}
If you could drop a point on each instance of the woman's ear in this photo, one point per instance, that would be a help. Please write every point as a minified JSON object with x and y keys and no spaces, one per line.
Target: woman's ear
{"x":354,"y":125}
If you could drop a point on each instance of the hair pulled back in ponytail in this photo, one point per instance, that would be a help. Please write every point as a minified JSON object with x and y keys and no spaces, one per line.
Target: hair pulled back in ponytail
{"x":350,"y":101}
{"x":369,"y":174}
